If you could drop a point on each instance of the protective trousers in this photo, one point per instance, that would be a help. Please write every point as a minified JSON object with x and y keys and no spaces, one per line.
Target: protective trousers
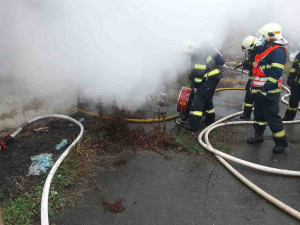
{"x":203,"y":103}
{"x":292,"y":108}
{"x":249,"y":100}
{"x":266,"y":109}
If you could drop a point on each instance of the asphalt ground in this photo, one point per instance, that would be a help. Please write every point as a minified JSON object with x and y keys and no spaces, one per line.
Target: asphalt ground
{"x":196,"y":189}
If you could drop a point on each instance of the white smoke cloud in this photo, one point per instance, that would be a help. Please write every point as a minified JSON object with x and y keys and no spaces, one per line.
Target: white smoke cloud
{"x":118,"y":49}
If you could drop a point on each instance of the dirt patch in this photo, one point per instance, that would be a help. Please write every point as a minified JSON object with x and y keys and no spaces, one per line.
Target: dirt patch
{"x":15,"y":161}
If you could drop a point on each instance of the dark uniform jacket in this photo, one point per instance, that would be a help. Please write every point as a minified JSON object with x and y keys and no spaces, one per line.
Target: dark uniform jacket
{"x":250,"y":59}
{"x":294,"y":74}
{"x":207,"y":63}
{"x":273,"y":66}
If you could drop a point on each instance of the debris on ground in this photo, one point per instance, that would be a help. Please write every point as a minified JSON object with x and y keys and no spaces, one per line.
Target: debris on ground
{"x":40,"y":164}
{"x":61,"y":144}
{"x":116,"y":207}
{"x":43,"y":129}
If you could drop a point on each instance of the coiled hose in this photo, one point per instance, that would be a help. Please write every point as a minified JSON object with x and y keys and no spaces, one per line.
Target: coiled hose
{"x":45,"y":195}
{"x":206,"y":144}
{"x":222,"y":156}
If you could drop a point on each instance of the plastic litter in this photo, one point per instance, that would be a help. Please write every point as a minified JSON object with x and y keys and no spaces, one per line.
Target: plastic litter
{"x":40,"y":164}
{"x":43,"y":129}
{"x":62,"y":144}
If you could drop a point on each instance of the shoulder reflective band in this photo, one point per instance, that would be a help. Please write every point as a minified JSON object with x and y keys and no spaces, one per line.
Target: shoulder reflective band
{"x":209,"y":58}
{"x":210,"y":111}
{"x":292,"y":109}
{"x":272,"y":80}
{"x":248,"y":105}
{"x":198,"y":80}
{"x":211,"y":73}
{"x":196,"y":113}
{"x":279,"y":134}
{"x":200,"y":66}
{"x":278,"y":65}
{"x":292,"y":70}
{"x":260,"y":123}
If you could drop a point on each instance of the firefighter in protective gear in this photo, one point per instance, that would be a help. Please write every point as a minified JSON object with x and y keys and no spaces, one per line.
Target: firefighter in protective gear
{"x":252,"y":46}
{"x":266,"y":86}
{"x":190,"y":49}
{"x":294,"y":82}
{"x":205,"y":75}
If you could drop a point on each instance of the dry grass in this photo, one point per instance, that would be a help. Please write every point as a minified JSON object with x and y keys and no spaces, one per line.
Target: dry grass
{"x":114,"y":135}
{"x":116,"y":207}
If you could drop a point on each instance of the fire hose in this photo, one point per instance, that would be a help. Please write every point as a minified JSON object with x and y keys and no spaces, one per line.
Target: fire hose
{"x":148,"y":120}
{"x":222,"y":156}
{"x":206,"y":144}
{"x":45,"y":195}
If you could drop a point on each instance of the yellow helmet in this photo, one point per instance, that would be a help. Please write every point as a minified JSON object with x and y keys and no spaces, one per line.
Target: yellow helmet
{"x":249,"y":43}
{"x":271,"y":31}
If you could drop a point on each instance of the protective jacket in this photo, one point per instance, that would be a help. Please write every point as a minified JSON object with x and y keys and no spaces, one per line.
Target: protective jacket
{"x":268,"y":69}
{"x":294,"y":74}
{"x":207,"y":63}
{"x":249,"y":61}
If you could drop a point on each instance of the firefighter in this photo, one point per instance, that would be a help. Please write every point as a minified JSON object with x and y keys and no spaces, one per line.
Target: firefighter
{"x":252,"y":46}
{"x":266,"y":86}
{"x":294,"y":82}
{"x":205,"y":75}
{"x":190,"y":49}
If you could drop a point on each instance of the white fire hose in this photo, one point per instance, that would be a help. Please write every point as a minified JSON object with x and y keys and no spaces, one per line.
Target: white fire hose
{"x":45,"y":195}
{"x":222,"y":156}
{"x":206,"y":144}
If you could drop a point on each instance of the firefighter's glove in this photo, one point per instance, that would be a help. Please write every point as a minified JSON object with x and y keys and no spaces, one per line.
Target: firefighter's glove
{"x":270,"y":86}
{"x":246,"y":65}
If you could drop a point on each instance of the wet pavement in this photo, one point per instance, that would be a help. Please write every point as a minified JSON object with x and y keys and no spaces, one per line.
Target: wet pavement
{"x":194,"y":189}
{"x":185,"y":190}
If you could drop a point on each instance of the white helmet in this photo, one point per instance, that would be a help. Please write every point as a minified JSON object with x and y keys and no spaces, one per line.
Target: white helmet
{"x":271,"y":31}
{"x":249,"y":43}
{"x":190,"y":47}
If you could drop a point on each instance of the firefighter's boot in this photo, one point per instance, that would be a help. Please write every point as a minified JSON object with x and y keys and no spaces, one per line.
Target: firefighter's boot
{"x":210,"y":118}
{"x":246,"y":113}
{"x":194,"y":123}
{"x":289,"y":115}
{"x":280,"y":144}
{"x":258,"y":136}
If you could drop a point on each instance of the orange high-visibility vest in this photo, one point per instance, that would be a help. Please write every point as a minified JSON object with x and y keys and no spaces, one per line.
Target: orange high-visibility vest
{"x":259,"y":77}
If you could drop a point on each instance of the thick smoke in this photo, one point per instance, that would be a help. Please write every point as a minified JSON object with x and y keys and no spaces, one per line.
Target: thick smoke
{"x":120,"y":50}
